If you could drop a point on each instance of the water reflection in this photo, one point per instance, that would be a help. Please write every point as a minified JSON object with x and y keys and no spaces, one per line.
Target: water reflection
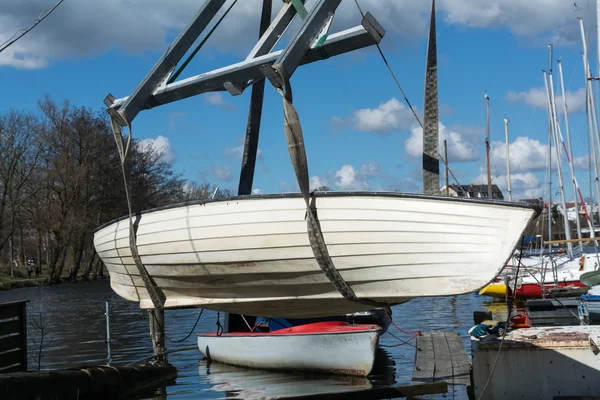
{"x":76,"y":331}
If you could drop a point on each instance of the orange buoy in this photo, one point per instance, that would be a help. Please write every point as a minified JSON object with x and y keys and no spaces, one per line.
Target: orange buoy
{"x":520,"y":320}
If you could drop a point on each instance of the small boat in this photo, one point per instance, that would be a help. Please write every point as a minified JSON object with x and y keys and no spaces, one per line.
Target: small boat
{"x":251,"y":255}
{"x":590,"y":304}
{"x":566,"y":276}
{"x":329,"y":347}
{"x":591,"y":278}
{"x":494,"y":289}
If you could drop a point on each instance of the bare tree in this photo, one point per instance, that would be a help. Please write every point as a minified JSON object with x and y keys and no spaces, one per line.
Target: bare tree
{"x":19,"y":155}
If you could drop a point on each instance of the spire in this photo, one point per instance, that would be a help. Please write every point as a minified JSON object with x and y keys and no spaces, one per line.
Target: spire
{"x":431,"y":163}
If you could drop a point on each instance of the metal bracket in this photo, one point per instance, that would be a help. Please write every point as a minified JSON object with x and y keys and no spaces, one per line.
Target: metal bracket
{"x":154,"y":91}
{"x":274,"y":32}
{"x":373,"y":27}
{"x":233,"y":89}
{"x":309,"y":32}
{"x":163,"y":67}
{"x":245,"y":71}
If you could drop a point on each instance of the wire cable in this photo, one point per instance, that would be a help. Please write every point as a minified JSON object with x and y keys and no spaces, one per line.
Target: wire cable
{"x":12,"y":40}
{"x":406,"y":98}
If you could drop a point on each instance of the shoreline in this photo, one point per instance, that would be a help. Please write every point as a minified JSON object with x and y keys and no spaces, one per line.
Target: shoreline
{"x":12,"y":284}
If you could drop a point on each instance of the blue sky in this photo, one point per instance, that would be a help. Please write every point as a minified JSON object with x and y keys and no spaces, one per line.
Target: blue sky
{"x":358,"y":132}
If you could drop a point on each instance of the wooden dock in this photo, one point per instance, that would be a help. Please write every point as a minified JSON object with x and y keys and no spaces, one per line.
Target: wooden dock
{"x":441,"y":357}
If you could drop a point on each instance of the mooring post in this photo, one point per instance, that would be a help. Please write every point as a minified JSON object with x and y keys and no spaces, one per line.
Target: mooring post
{"x":157,"y":333}
{"x":107,"y":324}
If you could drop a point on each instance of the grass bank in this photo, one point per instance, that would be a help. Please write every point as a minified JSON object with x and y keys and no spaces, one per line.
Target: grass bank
{"x":19,"y":279}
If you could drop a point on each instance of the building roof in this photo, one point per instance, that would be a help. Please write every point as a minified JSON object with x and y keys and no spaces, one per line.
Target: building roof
{"x":473,"y":190}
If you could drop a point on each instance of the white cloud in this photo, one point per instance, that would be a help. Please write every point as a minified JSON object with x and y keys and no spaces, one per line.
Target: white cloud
{"x":461,"y":147}
{"x":222,"y":173}
{"x":172,"y":117}
{"x":238,"y":152}
{"x":161,"y":146}
{"x":550,"y":20}
{"x":257,"y":191}
{"x":526,"y":154}
{"x":150,"y":24}
{"x":347,"y":178}
{"x":536,"y":97}
{"x":390,"y":116}
{"x":582,"y":162}
{"x":523,"y":185}
{"x":317,"y":182}
{"x":216,"y":99}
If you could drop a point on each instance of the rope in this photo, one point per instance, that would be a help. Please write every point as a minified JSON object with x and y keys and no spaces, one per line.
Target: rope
{"x":505,"y":326}
{"x":13,"y":39}
{"x":157,"y":297}
{"x":397,"y":327}
{"x":247,"y":324}
{"x":208,"y":35}
{"x":406,"y":99}
{"x":162,"y":329}
{"x":297,"y":151}
{"x":219,"y":326}
{"x":403,"y":342}
{"x":543,"y":286}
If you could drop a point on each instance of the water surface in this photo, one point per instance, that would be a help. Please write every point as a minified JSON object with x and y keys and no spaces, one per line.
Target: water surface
{"x":72,"y":317}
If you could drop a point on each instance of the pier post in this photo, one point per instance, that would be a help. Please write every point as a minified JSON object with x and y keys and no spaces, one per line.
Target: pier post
{"x":157,"y":333}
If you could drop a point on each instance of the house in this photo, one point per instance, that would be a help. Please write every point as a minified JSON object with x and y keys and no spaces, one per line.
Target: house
{"x":473,"y":191}
{"x":572,"y":212}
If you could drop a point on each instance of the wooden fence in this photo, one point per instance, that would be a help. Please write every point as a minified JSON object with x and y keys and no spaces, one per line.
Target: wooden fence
{"x":13,"y":336}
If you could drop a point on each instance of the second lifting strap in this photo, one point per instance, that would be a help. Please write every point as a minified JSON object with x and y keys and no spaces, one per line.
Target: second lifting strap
{"x":156,"y":295}
{"x":295,"y":142}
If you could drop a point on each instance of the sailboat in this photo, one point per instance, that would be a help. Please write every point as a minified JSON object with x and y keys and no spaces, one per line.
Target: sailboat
{"x":563,"y":269}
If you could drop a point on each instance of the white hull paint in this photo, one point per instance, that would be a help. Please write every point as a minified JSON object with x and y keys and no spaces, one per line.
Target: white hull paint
{"x":538,"y":363}
{"x":251,"y":255}
{"x":348,"y":353}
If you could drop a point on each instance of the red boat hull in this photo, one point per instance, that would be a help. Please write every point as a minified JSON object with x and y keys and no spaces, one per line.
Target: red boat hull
{"x":534,"y":291}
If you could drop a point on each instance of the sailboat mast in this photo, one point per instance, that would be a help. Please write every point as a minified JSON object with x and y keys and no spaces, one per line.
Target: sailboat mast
{"x":431,"y":163}
{"x":507,"y":158}
{"x":446,"y":158}
{"x":569,"y":153}
{"x":555,"y":128}
{"x":590,"y":106}
{"x":549,"y":158}
{"x":487,"y":144}
{"x":549,"y":181}
{"x":598,"y":33}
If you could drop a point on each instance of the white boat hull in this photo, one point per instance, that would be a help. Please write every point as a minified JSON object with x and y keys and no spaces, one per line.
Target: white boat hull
{"x":347,"y":353}
{"x":252,"y":255}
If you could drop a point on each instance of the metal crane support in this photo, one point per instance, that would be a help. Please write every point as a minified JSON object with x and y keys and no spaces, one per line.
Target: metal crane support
{"x":302,"y":49}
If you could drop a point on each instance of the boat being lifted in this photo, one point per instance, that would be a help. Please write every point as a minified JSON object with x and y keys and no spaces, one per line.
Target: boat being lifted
{"x":299,"y":255}
{"x":296,"y":255}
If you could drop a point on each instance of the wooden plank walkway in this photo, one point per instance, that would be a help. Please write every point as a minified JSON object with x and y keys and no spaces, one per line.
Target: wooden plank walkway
{"x":441,"y":356}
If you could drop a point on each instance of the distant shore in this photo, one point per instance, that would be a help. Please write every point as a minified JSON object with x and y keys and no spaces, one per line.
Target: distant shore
{"x":18,"y":281}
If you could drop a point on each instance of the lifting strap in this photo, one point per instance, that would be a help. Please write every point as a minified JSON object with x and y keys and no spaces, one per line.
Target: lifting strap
{"x":296,"y":148}
{"x":156,"y":295}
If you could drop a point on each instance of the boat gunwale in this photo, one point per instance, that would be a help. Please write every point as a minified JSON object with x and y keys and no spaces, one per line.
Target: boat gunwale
{"x":317,"y":194}
{"x":237,"y":335}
